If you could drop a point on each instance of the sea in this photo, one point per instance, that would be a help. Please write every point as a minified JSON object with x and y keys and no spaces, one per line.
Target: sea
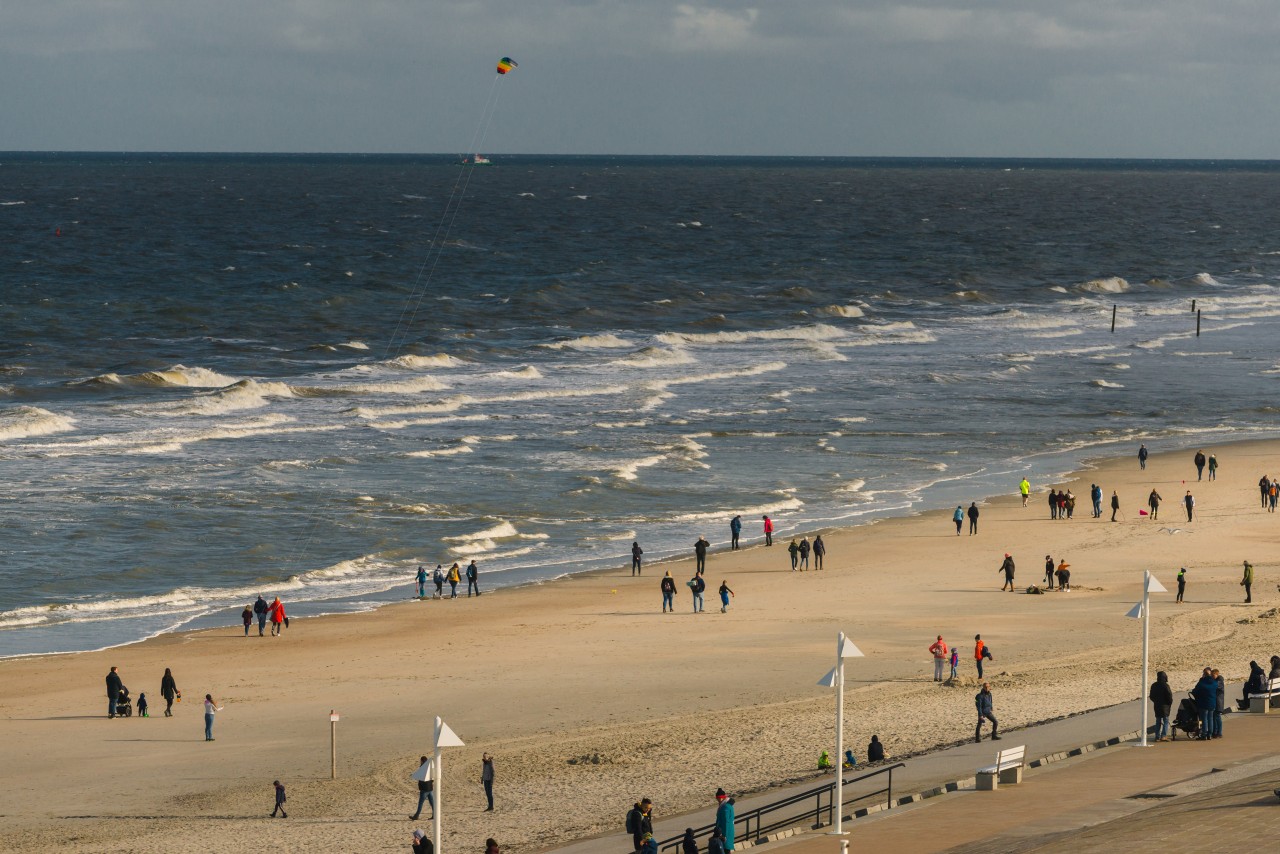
{"x":304,"y":376}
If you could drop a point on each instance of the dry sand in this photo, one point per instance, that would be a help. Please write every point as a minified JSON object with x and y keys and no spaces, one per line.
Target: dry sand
{"x":590,"y":697}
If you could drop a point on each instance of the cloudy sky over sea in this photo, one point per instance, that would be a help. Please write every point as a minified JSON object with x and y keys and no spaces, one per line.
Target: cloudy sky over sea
{"x":1075,"y":78}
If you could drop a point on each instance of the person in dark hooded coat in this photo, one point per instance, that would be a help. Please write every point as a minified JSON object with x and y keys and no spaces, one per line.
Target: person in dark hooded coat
{"x":1161,"y":697}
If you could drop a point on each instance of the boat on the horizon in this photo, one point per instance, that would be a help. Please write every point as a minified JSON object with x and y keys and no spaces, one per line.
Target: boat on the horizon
{"x":477,"y":160}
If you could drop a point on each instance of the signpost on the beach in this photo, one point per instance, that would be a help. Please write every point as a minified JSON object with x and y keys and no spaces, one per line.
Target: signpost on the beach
{"x":835,"y":679}
{"x":333,"y":745}
{"x":1142,"y":611}
{"x":445,"y":737}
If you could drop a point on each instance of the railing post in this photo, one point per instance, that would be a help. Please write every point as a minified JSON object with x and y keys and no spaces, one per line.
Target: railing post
{"x":890,"y":804}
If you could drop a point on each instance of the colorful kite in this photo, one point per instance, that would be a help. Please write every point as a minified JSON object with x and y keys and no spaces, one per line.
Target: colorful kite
{"x":506,"y":64}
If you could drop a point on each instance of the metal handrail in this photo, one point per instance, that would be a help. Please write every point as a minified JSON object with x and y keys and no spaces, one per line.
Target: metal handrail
{"x":753,"y":826}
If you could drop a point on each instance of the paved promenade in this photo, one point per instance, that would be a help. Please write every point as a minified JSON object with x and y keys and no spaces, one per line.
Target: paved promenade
{"x":1062,"y":797}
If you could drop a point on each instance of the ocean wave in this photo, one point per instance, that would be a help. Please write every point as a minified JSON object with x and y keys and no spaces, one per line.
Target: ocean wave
{"x":854,"y":485}
{"x":817,"y":332}
{"x":782,"y":506}
{"x":245,"y":394}
{"x":25,"y":422}
{"x":656,"y":357}
{"x":413,"y":386}
{"x":750,"y":371}
{"x":170,"y":441}
{"x":528,"y":372}
{"x":442,"y":452}
{"x":1112,"y":285}
{"x":178,"y":376}
{"x":1104,"y":384}
{"x":456,"y":402}
{"x":627,"y":469}
{"x":841,"y":311}
{"x":415,"y":363}
{"x":604,"y":341}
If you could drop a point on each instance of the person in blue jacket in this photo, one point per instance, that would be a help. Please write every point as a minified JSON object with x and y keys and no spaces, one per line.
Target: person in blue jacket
{"x":958,"y":518}
{"x":1206,"y":697}
{"x":422,"y":590}
{"x":735,"y":530}
{"x":724,"y":818}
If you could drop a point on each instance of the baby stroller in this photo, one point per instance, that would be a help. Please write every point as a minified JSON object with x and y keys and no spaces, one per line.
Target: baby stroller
{"x":124,"y":705}
{"x":1187,"y":719}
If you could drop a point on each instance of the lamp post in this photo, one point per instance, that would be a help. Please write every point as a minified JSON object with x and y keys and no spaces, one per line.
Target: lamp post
{"x":445,"y":737}
{"x":845,"y":648}
{"x":1142,"y":611}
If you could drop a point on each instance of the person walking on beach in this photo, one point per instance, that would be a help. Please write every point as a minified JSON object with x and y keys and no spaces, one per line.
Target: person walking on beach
{"x":794,"y":551}
{"x":724,"y":818}
{"x":421,"y":579}
{"x":1161,"y":697}
{"x":1264,"y":487}
{"x":260,"y":608}
{"x":453,"y":577}
{"x":169,"y":690}
{"x":1007,"y":568}
{"x":636,"y":552}
{"x":819,"y":550}
{"x":1095,"y":495}
{"x":768,"y":531}
{"x":211,"y":708}
{"x":486,"y":779}
{"x":700,"y":552}
{"x":277,"y":617}
{"x":437,"y":578}
{"x":1048,"y":571}
{"x":1182,"y":584}
{"x":1053,"y":504}
{"x":114,"y":686}
{"x":668,"y":587}
{"x":1199,"y":461}
{"x":1142,"y":457}
{"x":1272,"y":492}
{"x":1153,"y":501}
{"x":1213,"y":467}
{"x":958,"y":518}
{"x":804,"y":553}
{"x":939,"y":652}
{"x":955,"y":661}
{"x":280,"y":799}
{"x":981,"y":651}
{"x":698,"y":585}
{"x":973,"y":518}
{"x":1024,"y":488}
{"x":426,"y":786}
{"x":246,"y":617}
{"x":1062,"y":504}
{"x":1115,"y":505}
{"x":983,"y":701}
{"x":735,"y":531}
{"x":725,"y":593}
{"x":1247,"y":583}
{"x":1190,"y":501}
{"x":473,"y":578}
{"x":1069,"y":502}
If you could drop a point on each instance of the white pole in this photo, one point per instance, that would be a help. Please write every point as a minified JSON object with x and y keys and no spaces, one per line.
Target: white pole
{"x":439,"y":786}
{"x":839,"y":763}
{"x":1146,"y":633}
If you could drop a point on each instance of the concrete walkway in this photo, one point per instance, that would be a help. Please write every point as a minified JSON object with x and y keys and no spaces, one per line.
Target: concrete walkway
{"x":924,"y":773}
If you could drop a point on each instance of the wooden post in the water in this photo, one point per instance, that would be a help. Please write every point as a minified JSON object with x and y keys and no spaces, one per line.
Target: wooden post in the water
{"x":1193,"y":305}
{"x":1113,"y":319}
{"x":1197,"y":323}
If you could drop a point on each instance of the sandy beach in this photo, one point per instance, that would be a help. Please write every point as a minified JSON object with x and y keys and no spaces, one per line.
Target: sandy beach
{"x":590,"y":697}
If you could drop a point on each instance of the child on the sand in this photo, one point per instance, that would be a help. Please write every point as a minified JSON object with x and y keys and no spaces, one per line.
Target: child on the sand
{"x":725,"y":593}
{"x":955,"y":661}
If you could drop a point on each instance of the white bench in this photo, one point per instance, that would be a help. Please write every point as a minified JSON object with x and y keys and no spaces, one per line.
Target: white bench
{"x":1007,"y":770}
{"x":1263,"y":702}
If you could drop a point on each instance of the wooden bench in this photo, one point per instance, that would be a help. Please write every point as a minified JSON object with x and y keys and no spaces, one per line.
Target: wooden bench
{"x":1007,"y":770}
{"x":1264,"y":702}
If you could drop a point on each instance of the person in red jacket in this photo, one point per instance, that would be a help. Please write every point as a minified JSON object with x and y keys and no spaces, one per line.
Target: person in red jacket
{"x":276,"y":612}
{"x":768,"y":531}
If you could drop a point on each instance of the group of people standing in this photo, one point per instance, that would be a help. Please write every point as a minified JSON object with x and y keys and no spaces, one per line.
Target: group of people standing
{"x":942,"y":654}
{"x":800,"y":553}
{"x":454,"y":576}
{"x":697,"y":586}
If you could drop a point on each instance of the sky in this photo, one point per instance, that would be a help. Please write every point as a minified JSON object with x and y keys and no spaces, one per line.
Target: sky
{"x":956,"y":78}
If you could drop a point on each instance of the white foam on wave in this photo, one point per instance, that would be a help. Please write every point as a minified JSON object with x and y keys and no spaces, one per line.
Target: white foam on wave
{"x":1056,"y":333}
{"x":627,"y":469}
{"x":605,"y":341}
{"x":178,"y":376}
{"x":442,"y":452}
{"x":426,"y":422}
{"x":620,"y":425}
{"x":415,"y":363}
{"x":854,"y":485}
{"x":170,"y":441}
{"x":1104,"y":384}
{"x":750,"y":371}
{"x":456,"y":402}
{"x":354,"y":345}
{"x":25,"y":422}
{"x":842,"y":311}
{"x":790,"y":503}
{"x":245,"y":394}
{"x":1111,"y":285}
{"x":1221,"y":353}
{"x":656,"y":357}
{"x":528,"y":372}
{"x":817,"y":332}
{"x":852,"y":419}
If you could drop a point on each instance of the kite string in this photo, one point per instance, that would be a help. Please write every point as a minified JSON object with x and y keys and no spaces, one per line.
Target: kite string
{"x":421,"y":282}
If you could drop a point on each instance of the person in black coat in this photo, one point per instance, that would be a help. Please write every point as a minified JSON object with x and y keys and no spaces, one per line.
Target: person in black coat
{"x":168,"y":690}
{"x":973,"y":518}
{"x":114,"y":687}
{"x":1161,"y":697}
{"x":636,"y":551}
{"x":875,"y":750}
{"x":689,"y":845}
{"x":1255,"y":684}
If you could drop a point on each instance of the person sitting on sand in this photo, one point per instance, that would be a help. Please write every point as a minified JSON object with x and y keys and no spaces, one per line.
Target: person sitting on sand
{"x":824,"y":761}
{"x":875,"y":750}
